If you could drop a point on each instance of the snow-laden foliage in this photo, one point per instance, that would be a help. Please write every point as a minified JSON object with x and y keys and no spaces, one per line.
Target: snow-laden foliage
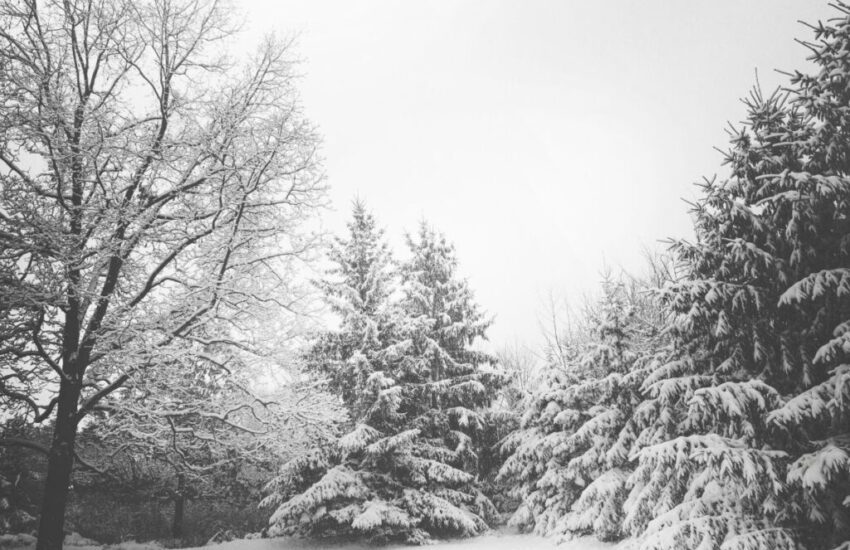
{"x":743,"y":434}
{"x":569,"y":460}
{"x":357,"y":289}
{"x":408,"y":470}
{"x":152,"y":191}
{"x":200,"y":422}
{"x":735,"y":433}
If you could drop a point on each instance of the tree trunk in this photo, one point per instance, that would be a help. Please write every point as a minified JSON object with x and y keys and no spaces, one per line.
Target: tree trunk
{"x":179,"y":504}
{"x":60,"y":463}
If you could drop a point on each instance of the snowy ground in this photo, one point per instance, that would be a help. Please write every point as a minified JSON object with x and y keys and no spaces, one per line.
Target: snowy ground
{"x":497,"y":541}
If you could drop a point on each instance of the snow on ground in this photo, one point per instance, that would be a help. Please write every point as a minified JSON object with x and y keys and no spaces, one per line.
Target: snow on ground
{"x":495,"y":541}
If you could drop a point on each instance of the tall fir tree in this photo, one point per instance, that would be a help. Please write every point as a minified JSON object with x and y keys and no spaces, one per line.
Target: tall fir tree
{"x":437,"y":359}
{"x":357,"y":288}
{"x":567,"y":461}
{"x":408,"y":469}
{"x":630,"y":341}
{"x":744,"y":439}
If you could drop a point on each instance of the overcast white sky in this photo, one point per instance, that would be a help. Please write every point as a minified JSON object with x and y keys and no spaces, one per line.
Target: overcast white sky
{"x":545,"y":138}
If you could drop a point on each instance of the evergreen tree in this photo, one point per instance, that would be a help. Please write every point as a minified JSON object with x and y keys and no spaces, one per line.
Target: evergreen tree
{"x":743,"y":438}
{"x":357,"y":288}
{"x":631,"y":340}
{"x":408,"y":469}
{"x":437,"y":360}
{"x":568,"y":461}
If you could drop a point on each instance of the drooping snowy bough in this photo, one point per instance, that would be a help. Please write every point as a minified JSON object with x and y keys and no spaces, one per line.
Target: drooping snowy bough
{"x":740,"y":438}
{"x":568,"y":462}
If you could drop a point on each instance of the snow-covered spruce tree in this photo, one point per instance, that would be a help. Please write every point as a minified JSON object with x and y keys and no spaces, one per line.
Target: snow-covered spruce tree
{"x":357,"y":289}
{"x":631,"y":342}
{"x":744,"y":440}
{"x":442,"y":366}
{"x":524,"y":373}
{"x":568,"y":455}
{"x":407,"y":471}
{"x":529,"y":451}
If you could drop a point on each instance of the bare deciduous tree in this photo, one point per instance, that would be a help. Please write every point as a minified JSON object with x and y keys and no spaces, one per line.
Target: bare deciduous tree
{"x":150,"y":193}
{"x":202,"y":422}
{"x":523,"y":369}
{"x":562,"y":330}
